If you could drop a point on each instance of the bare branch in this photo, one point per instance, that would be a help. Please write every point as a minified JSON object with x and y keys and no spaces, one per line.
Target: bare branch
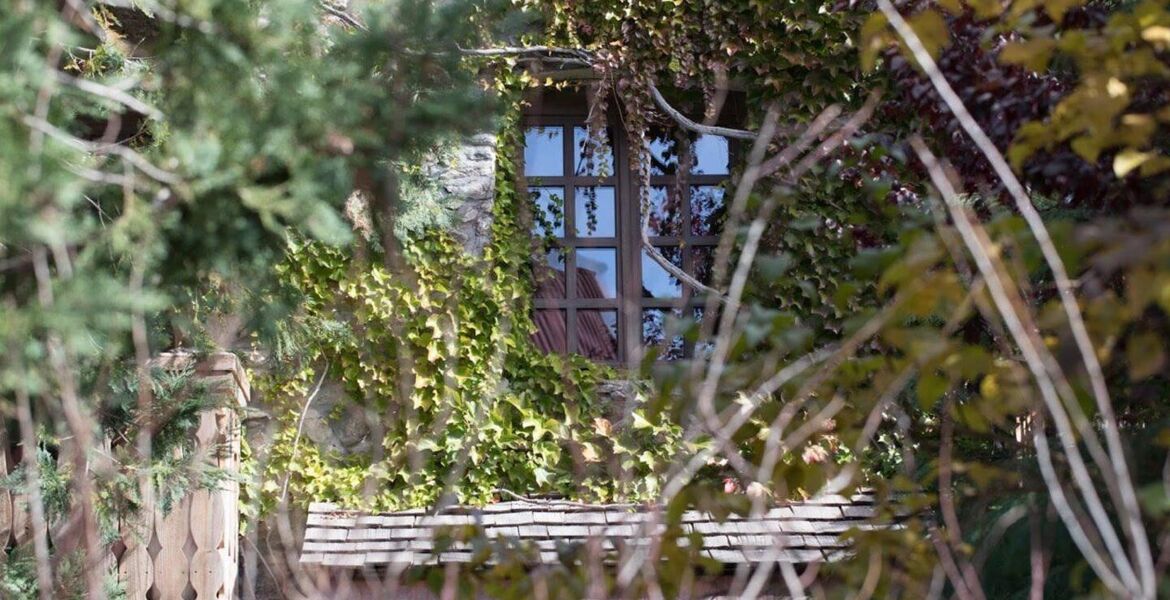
{"x":681,"y":119}
{"x":109,"y":93}
{"x":345,"y":17}
{"x":127,"y":154}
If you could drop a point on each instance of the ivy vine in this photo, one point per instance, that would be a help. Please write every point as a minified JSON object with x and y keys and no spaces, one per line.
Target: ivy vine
{"x":465,"y":401}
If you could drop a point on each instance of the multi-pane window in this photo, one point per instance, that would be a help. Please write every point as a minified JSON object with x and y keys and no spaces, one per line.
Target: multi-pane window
{"x":600,"y":294}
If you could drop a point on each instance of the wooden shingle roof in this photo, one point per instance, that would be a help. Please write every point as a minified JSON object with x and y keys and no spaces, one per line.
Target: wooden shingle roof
{"x":800,"y":532}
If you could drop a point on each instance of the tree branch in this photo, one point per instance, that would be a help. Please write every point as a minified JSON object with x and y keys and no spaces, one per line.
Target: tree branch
{"x":127,"y":154}
{"x":681,"y":119}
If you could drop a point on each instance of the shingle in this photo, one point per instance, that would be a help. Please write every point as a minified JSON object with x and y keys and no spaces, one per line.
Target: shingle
{"x":618,"y":531}
{"x":724,"y":555}
{"x":716,"y":541}
{"x":398,"y":520}
{"x":324,"y":547}
{"x":823,"y":541}
{"x":568,"y":531}
{"x":780,"y":512}
{"x":383,"y":558}
{"x":759,"y":541}
{"x":548,"y":517}
{"x":406,"y":533}
{"x":330,"y":520}
{"x":445,"y":521}
{"x":810,"y":511}
{"x":381,"y":546}
{"x":835,"y":499}
{"x":527,"y":531}
{"x":585,"y":518}
{"x":509,"y":518}
{"x":858,"y":512}
{"x":494,"y":532}
{"x":344,"y":560}
{"x":619,"y":518}
{"x":757,"y":527}
{"x":713,"y":527}
{"x":318,"y":533}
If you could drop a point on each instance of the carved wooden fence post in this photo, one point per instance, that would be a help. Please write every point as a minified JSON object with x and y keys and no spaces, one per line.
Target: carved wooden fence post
{"x":193,"y":550}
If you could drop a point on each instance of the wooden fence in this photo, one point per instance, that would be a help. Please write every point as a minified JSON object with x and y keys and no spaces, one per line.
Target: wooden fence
{"x":192,"y":551}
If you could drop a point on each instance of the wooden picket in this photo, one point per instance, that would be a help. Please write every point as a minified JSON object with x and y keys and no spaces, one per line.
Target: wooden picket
{"x":191,"y":552}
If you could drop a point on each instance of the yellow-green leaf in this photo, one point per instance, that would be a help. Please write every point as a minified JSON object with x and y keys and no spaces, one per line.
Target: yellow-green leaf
{"x":1128,"y":160}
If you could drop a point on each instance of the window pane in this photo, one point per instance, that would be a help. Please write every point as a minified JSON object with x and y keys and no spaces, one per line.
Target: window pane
{"x":659,"y":326}
{"x":544,"y":153}
{"x":595,"y":212}
{"x":597,"y":334}
{"x":592,"y":151}
{"x":550,"y":335}
{"x":711,"y":155}
{"x":704,"y":263}
{"x":665,"y":212}
{"x":707,"y":210}
{"x":550,"y":275}
{"x":656,"y":281}
{"x":596,"y":272}
{"x":664,"y":151}
{"x":704,"y":346}
{"x":548,"y":210}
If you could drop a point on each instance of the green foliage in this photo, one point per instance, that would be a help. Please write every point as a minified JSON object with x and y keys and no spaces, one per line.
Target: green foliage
{"x":465,"y":401}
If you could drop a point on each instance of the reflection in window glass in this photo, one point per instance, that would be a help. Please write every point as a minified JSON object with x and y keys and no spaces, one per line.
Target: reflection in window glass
{"x":595,"y":214}
{"x":597,"y":334}
{"x":550,"y":275}
{"x":665,"y":212}
{"x":656,"y":281}
{"x":596,"y":272}
{"x":704,"y":263}
{"x":658,"y":326}
{"x":550,"y":334}
{"x":707,"y":210}
{"x":711,"y":155}
{"x":704,"y":346}
{"x":664,"y":151}
{"x":544,"y":154}
{"x":548,"y":212}
{"x":593,"y":158}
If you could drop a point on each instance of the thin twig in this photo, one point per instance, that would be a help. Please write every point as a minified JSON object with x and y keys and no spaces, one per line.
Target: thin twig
{"x":300,"y":428}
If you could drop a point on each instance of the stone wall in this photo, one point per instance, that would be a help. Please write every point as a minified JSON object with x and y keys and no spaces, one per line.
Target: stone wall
{"x":465,"y":178}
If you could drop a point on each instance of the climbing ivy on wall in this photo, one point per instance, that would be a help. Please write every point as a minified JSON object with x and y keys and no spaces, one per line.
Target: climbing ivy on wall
{"x":444,"y":365}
